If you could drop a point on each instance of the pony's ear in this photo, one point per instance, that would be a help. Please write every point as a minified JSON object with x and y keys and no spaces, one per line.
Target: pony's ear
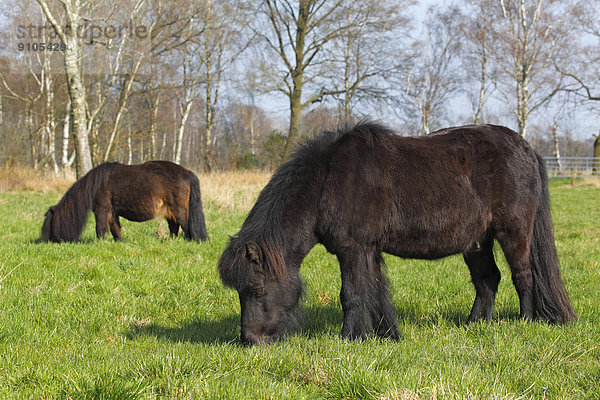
{"x":254,"y":253}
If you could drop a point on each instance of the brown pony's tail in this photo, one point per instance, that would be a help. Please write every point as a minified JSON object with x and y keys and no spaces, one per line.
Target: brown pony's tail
{"x":65,"y":221}
{"x":196,"y":224}
{"x":549,"y":296}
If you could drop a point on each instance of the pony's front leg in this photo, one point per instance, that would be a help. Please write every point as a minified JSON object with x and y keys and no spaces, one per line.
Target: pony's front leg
{"x":353,"y":295}
{"x":383,"y":314}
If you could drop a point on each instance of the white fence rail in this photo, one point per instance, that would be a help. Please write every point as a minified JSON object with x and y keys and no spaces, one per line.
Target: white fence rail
{"x":572,"y":166}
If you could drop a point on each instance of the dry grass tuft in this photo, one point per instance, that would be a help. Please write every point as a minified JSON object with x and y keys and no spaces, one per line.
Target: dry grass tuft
{"x":583,"y":181}
{"x":228,"y":190}
{"x":594,"y":181}
{"x":402,"y":395}
{"x":19,"y":179}
{"x":232,"y":189}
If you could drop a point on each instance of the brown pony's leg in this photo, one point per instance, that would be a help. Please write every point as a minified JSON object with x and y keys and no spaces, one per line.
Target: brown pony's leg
{"x":115,"y":227}
{"x":485,"y":277}
{"x":183,"y":222}
{"x":101,"y":214}
{"x":516,"y":245}
{"x":173,"y":227}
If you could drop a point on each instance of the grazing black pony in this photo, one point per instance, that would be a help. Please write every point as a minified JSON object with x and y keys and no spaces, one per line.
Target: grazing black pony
{"x":364,"y":190}
{"x":134,"y":192}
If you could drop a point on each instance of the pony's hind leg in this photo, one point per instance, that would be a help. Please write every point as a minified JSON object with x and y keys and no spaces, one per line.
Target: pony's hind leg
{"x":485,"y":277}
{"x":101,"y":214}
{"x":173,"y":227}
{"x":516,"y":247}
{"x":115,"y":227}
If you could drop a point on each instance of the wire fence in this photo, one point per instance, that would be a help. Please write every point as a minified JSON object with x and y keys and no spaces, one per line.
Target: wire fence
{"x":572,"y":166}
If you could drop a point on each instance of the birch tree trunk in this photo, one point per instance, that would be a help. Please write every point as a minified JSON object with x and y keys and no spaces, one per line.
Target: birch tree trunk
{"x":123,"y":100}
{"x":50,"y":123}
{"x":596,"y":167}
{"x":67,"y":160}
{"x":526,"y":50}
{"x":184,"y":117}
{"x":155,"y":103}
{"x":556,"y":145}
{"x":77,"y":92}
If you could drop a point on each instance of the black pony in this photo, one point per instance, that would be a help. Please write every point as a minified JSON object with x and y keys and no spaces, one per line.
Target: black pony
{"x":365,"y":190}
{"x":134,"y":192}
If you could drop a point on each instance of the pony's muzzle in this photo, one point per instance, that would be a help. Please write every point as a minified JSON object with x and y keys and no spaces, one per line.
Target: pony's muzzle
{"x":251,"y":339}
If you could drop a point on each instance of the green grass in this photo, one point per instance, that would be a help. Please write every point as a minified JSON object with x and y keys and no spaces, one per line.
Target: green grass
{"x":149,"y":318}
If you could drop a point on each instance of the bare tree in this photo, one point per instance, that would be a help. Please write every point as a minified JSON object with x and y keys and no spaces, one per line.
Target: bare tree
{"x":68,"y":34}
{"x":529,"y":36}
{"x":367,"y":50}
{"x":221,"y":44}
{"x":476,"y":27}
{"x":33,"y":83}
{"x":29,"y":95}
{"x":298,"y":32}
{"x":188,"y":93}
{"x":584,"y":72}
{"x":432,"y":77}
{"x":127,"y":74}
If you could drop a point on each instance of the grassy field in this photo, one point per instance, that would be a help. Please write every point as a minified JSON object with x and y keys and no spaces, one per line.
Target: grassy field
{"x":149,"y":318}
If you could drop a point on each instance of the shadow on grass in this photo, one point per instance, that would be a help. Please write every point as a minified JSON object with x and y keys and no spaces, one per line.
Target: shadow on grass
{"x":311,"y":320}
{"x":85,"y":240}
{"x":197,"y":331}
{"x":456,"y":317}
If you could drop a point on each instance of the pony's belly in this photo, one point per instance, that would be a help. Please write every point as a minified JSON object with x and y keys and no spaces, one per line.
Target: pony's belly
{"x":136,"y":216}
{"x":422,"y":250}
{"x":431,"y":245}
{"x":140,"y":211}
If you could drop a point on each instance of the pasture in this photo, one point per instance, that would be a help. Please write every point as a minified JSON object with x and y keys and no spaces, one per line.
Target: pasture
{"x":149,"y":318}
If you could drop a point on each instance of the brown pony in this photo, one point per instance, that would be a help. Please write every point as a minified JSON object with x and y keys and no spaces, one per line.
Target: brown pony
{"x":364,"y":190}
{"x":134,"y":192}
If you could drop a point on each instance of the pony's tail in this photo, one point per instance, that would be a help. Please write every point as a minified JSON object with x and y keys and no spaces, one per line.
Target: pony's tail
{"x":196,"y":224}
{"x":549,"y":296}
{"x":65,"y":221}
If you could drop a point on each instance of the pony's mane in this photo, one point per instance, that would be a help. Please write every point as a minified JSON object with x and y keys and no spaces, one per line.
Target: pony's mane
{"x":69,"y":216}
{"x":264,"y":222}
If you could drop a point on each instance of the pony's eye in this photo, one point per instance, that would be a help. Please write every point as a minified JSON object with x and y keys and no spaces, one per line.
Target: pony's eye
{"x":257,"y":291}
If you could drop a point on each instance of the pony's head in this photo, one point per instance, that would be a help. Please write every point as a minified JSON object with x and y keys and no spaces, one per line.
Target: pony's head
{"x":47,"y":233}
{"x":268,"y":291}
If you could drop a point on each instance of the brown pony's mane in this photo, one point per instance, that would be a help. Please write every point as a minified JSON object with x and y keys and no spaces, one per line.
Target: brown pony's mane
{"x":66,"y":220}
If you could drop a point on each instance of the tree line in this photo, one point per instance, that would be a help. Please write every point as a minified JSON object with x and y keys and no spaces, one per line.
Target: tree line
{"x":216,"y":84}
